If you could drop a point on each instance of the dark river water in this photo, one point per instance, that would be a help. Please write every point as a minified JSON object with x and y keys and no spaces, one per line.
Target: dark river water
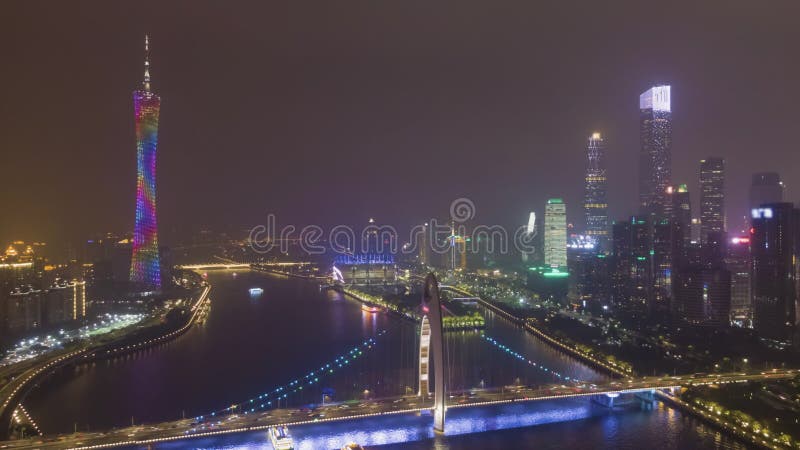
{"x":251,"y":345}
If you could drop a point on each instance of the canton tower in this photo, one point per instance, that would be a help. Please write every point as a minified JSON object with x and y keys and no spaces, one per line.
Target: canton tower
{"x":145,"y":265}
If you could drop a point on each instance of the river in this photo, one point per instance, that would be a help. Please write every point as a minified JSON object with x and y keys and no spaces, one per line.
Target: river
{"x":252,"y":344}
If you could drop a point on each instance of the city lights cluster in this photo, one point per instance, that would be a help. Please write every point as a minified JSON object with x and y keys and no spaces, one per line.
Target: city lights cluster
{"x":267,"y":399}
{"x":525,"y":360}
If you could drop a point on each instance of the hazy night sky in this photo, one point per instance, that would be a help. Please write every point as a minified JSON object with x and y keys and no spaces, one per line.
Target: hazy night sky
{"x":335,"y":111}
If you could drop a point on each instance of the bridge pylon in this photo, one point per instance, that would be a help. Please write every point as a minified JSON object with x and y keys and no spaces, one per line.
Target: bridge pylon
{"x":431,"y":342}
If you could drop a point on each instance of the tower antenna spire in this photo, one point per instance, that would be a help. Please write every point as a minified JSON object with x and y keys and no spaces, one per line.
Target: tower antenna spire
{"x":146,"y":82}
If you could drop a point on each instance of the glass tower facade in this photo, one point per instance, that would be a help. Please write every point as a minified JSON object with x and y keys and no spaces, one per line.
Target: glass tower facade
{"x":712,"y":197}
{"x":655,"y":156}
{"x":595,"y":198}
{"x":555,"y":233}
{"x":145,"y":264}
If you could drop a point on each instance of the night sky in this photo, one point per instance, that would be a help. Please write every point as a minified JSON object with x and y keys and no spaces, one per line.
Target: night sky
{"x":335,"y":111}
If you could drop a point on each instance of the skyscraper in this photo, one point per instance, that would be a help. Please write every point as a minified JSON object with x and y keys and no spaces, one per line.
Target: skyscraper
{"x":145,"y":264}
{"x":424,"y":246}
{"x":774,"y":253}
{"x":712,"y":197}
{"x":595,"y":203}
{"x":632,"y":266}
{"x":738,"y":262}
{"x":555,"y":233}
{"x":681,"y":213}
{"x":766,"y":187}
{"x":655,"y":156}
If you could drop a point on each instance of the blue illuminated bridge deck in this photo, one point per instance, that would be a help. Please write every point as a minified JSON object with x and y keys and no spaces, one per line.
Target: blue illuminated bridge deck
{"x":395,"y":419}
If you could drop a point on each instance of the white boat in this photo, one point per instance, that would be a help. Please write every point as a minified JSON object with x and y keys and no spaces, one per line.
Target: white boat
{"x":256,"y":291}
{"x":280,"y":438}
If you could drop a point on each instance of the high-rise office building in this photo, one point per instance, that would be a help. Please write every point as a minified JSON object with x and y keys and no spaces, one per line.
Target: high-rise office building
{"x":555,"y":233}
{"x":662,"y":257}
{"x":424,"y":246}
{"x":712,"y":197}
{"x":595,"y":198}
{"x":680,"y":217}
{"x":588,"y":273}
{"x":774,"y":251}
{"x":703,"y":295}
{"x":766,"y":187}
{"x":737,"y":262}
{"x":655,"y":156}
{"x":631,"y":267}
{"x":145,"y":263}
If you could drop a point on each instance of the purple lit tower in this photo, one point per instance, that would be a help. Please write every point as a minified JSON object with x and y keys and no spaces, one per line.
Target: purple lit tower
{"x":145,"y":265}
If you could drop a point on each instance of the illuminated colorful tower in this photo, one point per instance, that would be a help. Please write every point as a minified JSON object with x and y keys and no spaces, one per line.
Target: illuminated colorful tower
{"x":145,"y":266}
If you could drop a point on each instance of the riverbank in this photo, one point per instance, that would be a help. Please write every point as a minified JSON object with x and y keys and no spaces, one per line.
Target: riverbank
{"x":133,"y":340}
{"x":583,"y":357}
{"x":740,"y":433}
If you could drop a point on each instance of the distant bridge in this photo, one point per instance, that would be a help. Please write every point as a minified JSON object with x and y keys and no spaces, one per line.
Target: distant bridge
{"x":234,"y":265}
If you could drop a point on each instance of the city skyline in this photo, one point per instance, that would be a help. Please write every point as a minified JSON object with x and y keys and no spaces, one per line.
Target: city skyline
{"x":404,"y":225}
{"x":536,"y":123}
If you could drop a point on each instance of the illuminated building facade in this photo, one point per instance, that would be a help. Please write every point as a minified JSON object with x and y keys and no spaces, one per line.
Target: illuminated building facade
{"x":738,"y":262}
{"x":655,"y":156}
{"x":555,"y":233}
{"x":530,"y":230}
{"x":145,"y":263}
{"x":712,"y":197}
{"x":368,"y":269}
{"x":595,"y":198}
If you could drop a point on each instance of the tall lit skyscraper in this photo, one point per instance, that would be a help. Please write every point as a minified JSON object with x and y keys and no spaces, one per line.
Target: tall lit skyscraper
{"x":595,"y":201}
{"x":767,"y":187}
{"x":555,"y":233}
{"x":655,"y":156}
{"x":145,"y":265}
{"x":738,"y":262}
{"x":712,"y":197}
